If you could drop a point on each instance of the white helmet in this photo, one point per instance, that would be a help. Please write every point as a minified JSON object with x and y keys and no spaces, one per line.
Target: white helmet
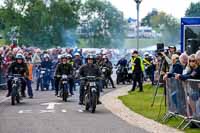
{"x":146,"y":54}
{"x":46,"y":56}
{"x":19,"y":56}
{"x":69,"y":55}
{"x":77,"y":54}
{"x":59,"y":56}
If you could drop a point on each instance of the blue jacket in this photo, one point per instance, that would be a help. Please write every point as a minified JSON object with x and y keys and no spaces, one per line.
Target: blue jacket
{"x":176,"y":69}
{"x":122,"y":62}
{"x":47,"y":64}
{"x":194,"y":74}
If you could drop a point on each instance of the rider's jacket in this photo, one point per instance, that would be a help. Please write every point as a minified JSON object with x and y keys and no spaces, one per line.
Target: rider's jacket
{"x":77,"y":63}
{"x":64,"y":69}
{"x":46,"y":64}
{"x":16,"y":68}
{"x":89,"y":70}
{"x":122,"y":62}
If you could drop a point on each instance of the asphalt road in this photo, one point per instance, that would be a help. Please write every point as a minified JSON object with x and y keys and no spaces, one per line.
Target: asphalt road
{"x":48,"y":114}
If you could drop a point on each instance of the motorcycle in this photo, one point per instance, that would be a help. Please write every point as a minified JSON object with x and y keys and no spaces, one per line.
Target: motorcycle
{"x":64,"y":87}
{"x":130,"y":75}
{"x":90,"y":96}
{"x":121,"y":74}
{"x":105,"y":72}
{"x":16,"y":88}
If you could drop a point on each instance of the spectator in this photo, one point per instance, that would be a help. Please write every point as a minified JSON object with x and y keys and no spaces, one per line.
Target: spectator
{"x":195,"y":69}
{"x":184,"y":62}
{"x":176,"y":67}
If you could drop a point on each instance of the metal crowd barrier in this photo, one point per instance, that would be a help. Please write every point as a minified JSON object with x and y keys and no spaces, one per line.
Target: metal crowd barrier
{"x":183,"y":99}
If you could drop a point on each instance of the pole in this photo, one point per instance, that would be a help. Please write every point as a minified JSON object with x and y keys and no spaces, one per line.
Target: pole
{"x":138,"y":24}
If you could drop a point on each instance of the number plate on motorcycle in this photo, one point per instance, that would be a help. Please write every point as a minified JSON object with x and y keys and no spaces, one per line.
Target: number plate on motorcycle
{"x":64,"y":76}
{"x":92,"y":84}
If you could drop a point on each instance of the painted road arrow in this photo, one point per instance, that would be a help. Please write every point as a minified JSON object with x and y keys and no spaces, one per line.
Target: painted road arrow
{"x":51,"y":105}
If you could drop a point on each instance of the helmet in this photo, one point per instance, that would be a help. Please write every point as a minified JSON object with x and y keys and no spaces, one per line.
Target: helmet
{"x":19,"y":56}
{"x":146,"y":54}
{"x":77,"y":54}
{"x":90,"y":57}
{"x":172,"y":47}
{"x":69,"y":56}
{"x":64,"y":56}
{"x":59,"y":56}
{"x":46,"y":56}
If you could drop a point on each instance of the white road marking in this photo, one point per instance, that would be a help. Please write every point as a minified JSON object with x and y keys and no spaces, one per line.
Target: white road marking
{"x":80,"y":111}
{"x":47,"y":111}
{"x":25,"y":111}
{"x":51,"y":105}
{"x":4,"y":99}
{"x":64,"y":111}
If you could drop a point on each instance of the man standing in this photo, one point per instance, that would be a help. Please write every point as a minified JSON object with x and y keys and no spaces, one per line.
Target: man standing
{"x":137,"y":69}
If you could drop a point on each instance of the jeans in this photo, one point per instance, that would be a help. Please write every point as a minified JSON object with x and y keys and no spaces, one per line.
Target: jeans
{"x":29,"y":90}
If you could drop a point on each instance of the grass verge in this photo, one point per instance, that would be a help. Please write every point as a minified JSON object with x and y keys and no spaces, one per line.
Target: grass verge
{"x":141,"y":104}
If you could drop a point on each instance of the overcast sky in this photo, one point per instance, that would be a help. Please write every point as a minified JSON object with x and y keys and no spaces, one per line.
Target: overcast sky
{"x":176,"y":8}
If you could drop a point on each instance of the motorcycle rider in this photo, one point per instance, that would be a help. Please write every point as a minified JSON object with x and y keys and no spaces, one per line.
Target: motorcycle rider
{"x":108,"y":65}
{"x":71,"y":80}
{"x":77,"y":61}
{"x":18,"y":67}
{"x":89,"y":69}
{"x":63,"y":68}
{"x":123,"y":63}
{"x":46,"y":64}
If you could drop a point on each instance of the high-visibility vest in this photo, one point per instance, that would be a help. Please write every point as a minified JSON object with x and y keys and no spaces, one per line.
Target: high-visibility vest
{"x":146,"y":62}
{"x":141,"y":63}
{"x":71,"y":62}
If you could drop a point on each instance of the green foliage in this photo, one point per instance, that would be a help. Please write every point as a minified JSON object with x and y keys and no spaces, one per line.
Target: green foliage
{"x":38,"y":23}
{"x":193,"y":10}
{"x":105,"y":24}
{"x":168,"y":25}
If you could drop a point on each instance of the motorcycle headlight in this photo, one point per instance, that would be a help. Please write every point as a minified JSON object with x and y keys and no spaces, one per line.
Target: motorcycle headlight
{"x":42,"y":72}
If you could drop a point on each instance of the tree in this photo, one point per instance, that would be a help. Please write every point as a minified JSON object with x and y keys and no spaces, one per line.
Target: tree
{"x":164,"y":23}
{"x":104,"y":22}
{"x":146,"y":21}
{"x":193,"y":10}
{"x":39,"y":23}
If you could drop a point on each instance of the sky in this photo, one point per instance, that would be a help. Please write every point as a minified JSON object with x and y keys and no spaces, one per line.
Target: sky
{"x":176,"y":8}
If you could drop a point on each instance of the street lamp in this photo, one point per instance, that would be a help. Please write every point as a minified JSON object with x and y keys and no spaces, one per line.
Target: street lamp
{"x":138,"y":2}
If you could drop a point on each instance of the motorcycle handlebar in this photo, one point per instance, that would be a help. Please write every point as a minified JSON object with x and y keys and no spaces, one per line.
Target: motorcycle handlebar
{"x":90,"y":77}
